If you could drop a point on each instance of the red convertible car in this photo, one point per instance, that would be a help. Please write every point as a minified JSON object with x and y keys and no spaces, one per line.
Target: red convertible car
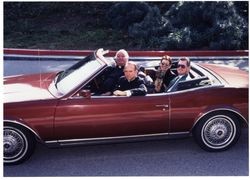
{"x":63,"y":108}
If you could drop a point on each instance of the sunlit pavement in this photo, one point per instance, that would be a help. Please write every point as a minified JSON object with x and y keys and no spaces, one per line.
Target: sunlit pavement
{"x":14,"y":67}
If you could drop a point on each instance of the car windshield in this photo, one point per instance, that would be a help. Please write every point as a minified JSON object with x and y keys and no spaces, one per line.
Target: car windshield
{"x":74,"y":67}
{"x":75,"y":75}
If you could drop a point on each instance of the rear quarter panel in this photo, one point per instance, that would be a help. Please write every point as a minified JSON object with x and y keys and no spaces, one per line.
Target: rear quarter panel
{"x":188,"y":106}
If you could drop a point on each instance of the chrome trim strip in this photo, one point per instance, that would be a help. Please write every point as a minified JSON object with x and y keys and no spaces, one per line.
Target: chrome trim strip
{"x":158,"y":94}
{"x":70,"y":142}
{"x":21,"y":124}
{"x":116,"y":137}
{"x":196,"y":88}
{"x":219,"y":109}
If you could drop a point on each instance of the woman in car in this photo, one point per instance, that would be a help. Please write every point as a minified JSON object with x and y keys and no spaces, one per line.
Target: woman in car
{"x":163,"y":74}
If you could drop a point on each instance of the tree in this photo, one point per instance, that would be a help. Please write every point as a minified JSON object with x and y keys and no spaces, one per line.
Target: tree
{"x":185,"y":25}
{"x":212,"y":25}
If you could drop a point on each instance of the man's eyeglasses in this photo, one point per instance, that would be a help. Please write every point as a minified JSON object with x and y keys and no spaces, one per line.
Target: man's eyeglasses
{"x":181,"y":66}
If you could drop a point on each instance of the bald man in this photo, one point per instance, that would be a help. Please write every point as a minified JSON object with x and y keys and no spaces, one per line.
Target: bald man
{"x":130,"y":84}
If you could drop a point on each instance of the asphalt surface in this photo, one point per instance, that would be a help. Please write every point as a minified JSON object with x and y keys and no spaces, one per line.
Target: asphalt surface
{"x":13,"y":67}
{"x":176,"y":157}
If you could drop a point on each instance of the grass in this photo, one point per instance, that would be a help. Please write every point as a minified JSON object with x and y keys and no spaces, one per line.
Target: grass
{"x":90,"y":38}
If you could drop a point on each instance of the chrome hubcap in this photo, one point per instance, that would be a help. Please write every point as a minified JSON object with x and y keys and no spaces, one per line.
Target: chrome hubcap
{"x":218,"y":132}
{"x":13,"y":144}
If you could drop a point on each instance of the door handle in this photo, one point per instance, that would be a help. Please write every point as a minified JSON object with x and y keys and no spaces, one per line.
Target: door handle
{"x":162,"y":105}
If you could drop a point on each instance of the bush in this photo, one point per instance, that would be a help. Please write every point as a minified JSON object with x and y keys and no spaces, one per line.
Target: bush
{"x":122,"y":15}
{"x":132,"y":25}
{"x":185,"y":25}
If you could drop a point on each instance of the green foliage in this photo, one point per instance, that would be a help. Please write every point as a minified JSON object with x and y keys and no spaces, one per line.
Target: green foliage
{"x":123,"y":15}
{"x":131,"y":25}
{"x":214,"y":25}
{"x":187,"y":25}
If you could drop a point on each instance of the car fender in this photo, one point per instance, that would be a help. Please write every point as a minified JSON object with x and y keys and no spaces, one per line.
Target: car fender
{"x":224,"y":108}
{"x":23,"y":124}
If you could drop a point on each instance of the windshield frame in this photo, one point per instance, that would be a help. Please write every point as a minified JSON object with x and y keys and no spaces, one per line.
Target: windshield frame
{"x":65,"y":81}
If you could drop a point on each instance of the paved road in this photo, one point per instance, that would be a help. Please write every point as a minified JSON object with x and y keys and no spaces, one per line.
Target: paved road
{"x":180,"y":157}
{"x":12,"y":67}
{"x":175,"y":157}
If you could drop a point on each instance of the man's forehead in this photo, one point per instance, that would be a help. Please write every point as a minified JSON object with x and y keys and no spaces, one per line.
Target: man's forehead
{"x":182,"y":62}
{"x":120,"y":54}
{"x":130,"y":66}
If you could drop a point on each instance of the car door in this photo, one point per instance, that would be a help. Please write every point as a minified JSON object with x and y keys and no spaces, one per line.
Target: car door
{"x":78,"y":117}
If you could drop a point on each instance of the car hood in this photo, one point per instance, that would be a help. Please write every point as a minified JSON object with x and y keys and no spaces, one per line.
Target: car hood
{"x":27,"y":87}
{"x":233,"y":76}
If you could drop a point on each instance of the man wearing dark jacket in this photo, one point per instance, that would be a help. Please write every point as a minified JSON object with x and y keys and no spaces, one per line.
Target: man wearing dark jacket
{"x":130,"y":84}
{"x":183,"y":69}
{"x":114,"y":73}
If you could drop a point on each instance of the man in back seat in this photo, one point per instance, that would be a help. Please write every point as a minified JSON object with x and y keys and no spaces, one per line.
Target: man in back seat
{"x":114,"y":73}
{"x":183,"y":69}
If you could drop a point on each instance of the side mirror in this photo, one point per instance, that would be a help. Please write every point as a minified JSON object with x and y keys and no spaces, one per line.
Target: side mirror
{"x":86,"y":93}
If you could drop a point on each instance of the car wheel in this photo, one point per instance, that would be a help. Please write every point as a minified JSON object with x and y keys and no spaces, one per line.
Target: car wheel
{"x":217,"y":131}
{"x":18,"y":144}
